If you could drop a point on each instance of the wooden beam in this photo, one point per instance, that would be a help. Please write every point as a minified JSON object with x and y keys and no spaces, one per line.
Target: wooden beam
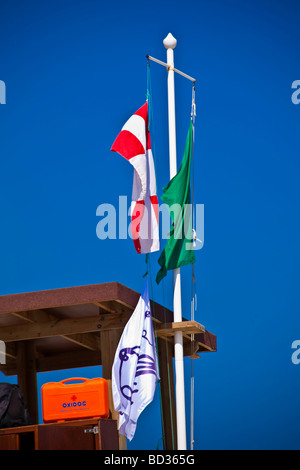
{"x":38,"y":316}
{"x":33,"y":316}
{"x":88,"y":340}
{"x":113,"y":306}
{"x":67,"y":296}
{"x":62,"y":327}
{"x":106,"y":306}
{"x":187,"y":327}
{"x":79,"y":295}
{"x":10,"y":351}
{"x":68,"y":360}
{"x":72,"y":326}
{"x":207,"y":341}
{"x":191,"y":349}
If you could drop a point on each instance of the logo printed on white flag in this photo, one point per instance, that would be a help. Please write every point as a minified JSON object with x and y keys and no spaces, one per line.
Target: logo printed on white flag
{"x":135,"y":368}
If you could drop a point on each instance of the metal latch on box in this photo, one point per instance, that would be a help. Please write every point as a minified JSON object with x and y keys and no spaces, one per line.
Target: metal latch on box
{"x":94,"y":430}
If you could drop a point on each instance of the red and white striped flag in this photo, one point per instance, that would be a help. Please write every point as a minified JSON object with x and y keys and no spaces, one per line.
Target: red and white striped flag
{"x":134,"y":144}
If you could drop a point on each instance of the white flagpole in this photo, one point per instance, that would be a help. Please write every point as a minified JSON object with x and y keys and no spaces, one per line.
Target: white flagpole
{"x":170,"y":43}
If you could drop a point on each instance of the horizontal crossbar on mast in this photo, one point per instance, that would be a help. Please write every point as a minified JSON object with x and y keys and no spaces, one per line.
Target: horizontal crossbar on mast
{"x":171,"y":68}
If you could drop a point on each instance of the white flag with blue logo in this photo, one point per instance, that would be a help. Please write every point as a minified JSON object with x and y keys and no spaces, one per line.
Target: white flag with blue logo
{"x":135,"y":368}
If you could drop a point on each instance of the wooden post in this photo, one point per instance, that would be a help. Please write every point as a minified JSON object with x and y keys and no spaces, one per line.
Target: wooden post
{"x":165,"y":358}
{"x":27,"y":379}
{"x":109,"y":343}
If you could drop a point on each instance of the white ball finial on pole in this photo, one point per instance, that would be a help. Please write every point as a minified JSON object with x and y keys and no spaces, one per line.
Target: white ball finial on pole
{"x":170,"y":42}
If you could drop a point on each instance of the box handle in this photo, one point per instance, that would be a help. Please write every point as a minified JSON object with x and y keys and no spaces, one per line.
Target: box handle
{"x":72,"y":380}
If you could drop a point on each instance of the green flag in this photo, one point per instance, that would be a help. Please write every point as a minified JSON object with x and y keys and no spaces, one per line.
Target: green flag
{"x":177,"y":193}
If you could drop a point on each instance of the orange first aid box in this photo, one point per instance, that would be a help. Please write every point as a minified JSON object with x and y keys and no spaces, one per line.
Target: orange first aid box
{"x":63,"y":401}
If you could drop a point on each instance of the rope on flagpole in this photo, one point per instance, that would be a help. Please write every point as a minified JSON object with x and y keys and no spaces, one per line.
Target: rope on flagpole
{"x":150,"y":115}
{"x":194,"y":295}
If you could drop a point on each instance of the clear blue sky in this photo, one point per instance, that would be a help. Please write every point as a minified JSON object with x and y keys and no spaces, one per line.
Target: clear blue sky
{"x":74,"y":72}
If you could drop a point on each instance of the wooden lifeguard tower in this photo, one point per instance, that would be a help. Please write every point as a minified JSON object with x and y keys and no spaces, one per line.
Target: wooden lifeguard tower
{"x":77,"y":327}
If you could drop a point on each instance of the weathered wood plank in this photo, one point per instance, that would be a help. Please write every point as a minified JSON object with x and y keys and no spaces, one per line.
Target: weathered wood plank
{"x":38,"y":316}
{"x":62,"y":327}
{"x":187,"y":327}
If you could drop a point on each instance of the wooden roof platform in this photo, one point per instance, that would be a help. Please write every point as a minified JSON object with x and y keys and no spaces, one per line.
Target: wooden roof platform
{"x":65,"y":324}
{"x":81,"y":326}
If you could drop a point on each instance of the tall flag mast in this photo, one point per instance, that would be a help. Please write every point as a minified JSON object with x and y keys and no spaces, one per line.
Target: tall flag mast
{"x":130,"y":146}
{"x":170,"y":43}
